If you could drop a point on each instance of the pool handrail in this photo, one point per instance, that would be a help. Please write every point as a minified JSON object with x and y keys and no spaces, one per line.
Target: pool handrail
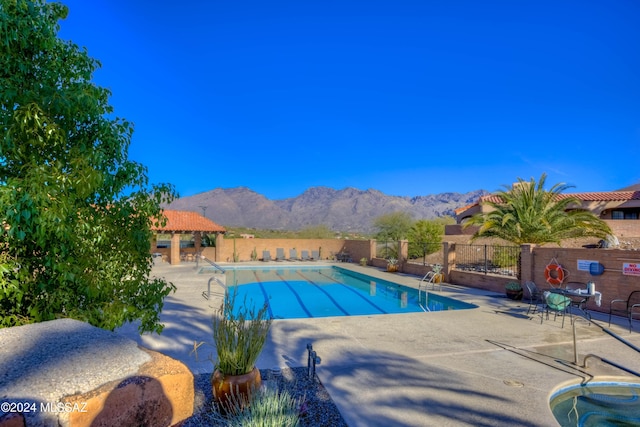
{"x":218,"y":270}
{"x":429,"y":278}
{"x":608,"y":362}
{"x":216,"y":266}
{"x":602,"y":359}
{"x":207,"y":294}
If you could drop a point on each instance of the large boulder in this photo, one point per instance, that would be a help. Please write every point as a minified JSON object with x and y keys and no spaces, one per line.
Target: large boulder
{"x":69,"y":373}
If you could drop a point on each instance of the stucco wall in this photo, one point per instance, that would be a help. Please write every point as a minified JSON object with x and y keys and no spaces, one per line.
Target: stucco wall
{"x":624,"y":228}
{"x":326,"y":247}
{"x":612,"y":283}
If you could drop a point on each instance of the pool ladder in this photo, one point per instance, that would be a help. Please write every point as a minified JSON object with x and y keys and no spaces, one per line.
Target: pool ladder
{"x":423,"y":286}
{"x":207,"y":294}
{"x":219,"y":271}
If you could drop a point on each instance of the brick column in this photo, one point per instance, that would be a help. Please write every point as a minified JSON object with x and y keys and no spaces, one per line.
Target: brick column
{"x":526,"y":262}
{"x":403,"y":253}
{"x":175,"y":248}
{"x":197,"y":240}
{"x":448,"y":258}
{"x":372,"y":250}
{"x":219,"y":246}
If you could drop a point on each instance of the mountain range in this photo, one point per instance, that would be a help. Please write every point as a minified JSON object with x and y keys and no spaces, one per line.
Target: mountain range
{"x":348,"y":209}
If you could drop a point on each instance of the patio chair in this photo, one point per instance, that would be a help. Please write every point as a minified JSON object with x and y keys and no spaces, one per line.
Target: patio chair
{"x":315,"y":255}
{"x":628,"y":308}
{"x":536,"y":297}
{"x":557,"y":303}
{"x":304,"y":256}
{"x":266,"y":256}
{"x":293,"y":255}
{"x":279,"y":254}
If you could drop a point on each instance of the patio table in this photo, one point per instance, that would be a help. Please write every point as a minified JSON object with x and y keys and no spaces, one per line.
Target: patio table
{"x":579,"y":297}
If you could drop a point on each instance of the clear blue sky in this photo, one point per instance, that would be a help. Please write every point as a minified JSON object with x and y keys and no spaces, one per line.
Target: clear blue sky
{"x":406,"y":97}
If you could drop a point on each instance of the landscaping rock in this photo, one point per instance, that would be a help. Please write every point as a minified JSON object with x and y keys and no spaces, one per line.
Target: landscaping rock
{"x":69,"y":373}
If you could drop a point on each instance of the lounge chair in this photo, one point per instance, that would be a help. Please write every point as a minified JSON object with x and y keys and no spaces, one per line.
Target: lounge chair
{"x":266,"y":256}
{"x":279,"y":254}
{"x":293,"y":255}
{"x":315,"y":255}
{"x":304,"y":256}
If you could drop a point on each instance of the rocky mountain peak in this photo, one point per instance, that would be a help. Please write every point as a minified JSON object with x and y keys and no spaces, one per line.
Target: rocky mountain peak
{"x":345,"y":209}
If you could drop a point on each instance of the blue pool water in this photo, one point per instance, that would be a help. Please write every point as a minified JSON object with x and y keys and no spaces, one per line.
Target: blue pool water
{"x":305,"y":292}
{"x":597,"y":404}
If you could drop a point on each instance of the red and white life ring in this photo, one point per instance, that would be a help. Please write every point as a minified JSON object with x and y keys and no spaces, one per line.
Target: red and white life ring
{"x":556,"y":278}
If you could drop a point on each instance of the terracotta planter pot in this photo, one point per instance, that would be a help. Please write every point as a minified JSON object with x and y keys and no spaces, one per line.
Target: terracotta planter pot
{"x":234,"y":388}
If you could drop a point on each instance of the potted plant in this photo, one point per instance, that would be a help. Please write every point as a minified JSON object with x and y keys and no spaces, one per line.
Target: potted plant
{"x":392,"y":265}
{"x":239,"y":334}
{"x":514,"y":291}
{"x":438,"y":277}
{"x":363,"y":261}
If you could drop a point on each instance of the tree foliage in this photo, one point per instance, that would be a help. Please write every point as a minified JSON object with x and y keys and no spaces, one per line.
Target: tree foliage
{"x":527,"y":213}
{"x":425,"y":237}
{"x":393,"y":226}
{"x":76,"y":212}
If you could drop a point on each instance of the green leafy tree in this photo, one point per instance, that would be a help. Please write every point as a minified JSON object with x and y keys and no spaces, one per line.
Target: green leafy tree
{"x":425,"y":237}
{"x":393,"y":226}
{"x":527,"y":213}
{"x":76,"y":214}
{"x":389,"y":229}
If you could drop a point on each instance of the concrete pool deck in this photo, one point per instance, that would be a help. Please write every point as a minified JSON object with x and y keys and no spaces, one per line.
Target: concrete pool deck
{"x":489,"y":366}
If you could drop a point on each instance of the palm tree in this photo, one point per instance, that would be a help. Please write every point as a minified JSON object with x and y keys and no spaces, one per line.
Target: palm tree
{"x":527,"y":213}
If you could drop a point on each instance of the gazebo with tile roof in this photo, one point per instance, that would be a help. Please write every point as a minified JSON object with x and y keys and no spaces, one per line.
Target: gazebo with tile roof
{"x":186,"y":222}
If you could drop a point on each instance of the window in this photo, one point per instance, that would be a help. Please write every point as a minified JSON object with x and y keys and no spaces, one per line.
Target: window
{"x":625,"y":214}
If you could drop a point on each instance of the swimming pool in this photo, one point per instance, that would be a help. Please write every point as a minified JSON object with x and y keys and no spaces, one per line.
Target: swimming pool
{"x":306,"y":292}
{"x":597,"y":404}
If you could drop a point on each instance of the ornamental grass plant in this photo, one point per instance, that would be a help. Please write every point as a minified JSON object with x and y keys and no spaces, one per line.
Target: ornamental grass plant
{"x":267,"y":408}
{"x":239,"y":334}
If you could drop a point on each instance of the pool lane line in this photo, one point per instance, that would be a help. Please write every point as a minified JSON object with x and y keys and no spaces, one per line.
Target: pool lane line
{"x":304,"y":307}
{"x":346,"y":313}
{"x":383,"y":311}
{"x":264,"y":293}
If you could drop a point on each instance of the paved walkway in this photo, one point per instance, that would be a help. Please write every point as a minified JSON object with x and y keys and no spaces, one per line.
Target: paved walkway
{"x":489,"y":366}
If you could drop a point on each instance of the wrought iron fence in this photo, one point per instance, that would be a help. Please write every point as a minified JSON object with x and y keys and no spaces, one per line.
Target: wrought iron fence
{"x":387,"y":249}
{"x":494,"y":259}
{"x":426,"y":253}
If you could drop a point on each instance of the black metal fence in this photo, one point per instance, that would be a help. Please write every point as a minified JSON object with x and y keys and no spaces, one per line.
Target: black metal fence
{"x":387,"y":249}
{"x":494,"y":259}
{"x":426,"y":253}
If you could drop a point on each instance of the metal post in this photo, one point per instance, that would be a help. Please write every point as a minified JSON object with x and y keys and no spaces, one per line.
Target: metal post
{"x":575,"y":345}
{"x":486,"y":262}
{"x":312,"y":360}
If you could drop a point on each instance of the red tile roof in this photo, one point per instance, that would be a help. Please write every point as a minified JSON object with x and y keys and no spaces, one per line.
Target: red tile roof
{"x":605,"y":196}
{"x":187,"y":221}
{"x":464,"y":208}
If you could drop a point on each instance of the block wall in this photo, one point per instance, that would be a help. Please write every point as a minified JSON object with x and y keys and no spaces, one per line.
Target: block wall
{"x":326,"y":247}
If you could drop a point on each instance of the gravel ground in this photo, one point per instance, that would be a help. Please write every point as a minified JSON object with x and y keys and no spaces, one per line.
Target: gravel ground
{"x":320,"y":409}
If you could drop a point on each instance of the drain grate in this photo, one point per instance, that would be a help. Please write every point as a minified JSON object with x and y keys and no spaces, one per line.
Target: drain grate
{"x":513,"y":383}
